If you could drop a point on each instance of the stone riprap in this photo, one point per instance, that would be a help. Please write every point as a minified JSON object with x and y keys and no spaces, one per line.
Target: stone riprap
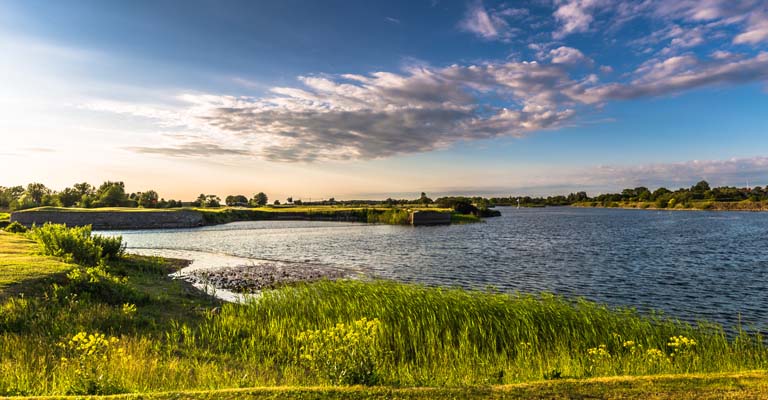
{"x":101,"y":220}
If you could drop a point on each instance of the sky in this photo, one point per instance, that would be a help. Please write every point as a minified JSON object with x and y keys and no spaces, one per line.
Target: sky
{"x":372,"y":99}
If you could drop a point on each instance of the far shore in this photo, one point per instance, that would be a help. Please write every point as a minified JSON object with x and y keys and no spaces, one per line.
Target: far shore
{"x":693,"y":206}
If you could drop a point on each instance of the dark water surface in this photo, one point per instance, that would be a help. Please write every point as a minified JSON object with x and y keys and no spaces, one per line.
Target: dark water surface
{"x":691,"y":265}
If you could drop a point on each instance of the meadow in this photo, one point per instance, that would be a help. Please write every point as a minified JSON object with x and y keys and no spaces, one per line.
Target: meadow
{"x":121,"y":325}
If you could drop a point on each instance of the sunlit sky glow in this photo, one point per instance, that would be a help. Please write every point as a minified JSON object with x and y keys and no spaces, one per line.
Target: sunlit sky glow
{"x":355,"y":99}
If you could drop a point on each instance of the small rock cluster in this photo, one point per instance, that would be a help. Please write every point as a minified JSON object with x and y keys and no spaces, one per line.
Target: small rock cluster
{"x":269,"y":275}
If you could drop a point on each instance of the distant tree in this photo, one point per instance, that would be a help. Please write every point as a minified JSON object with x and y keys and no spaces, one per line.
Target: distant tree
{"x":424,"y":199}
{"x":277,"y":202}
{"x":36,"y":192}
{"x":298,"y":202}
{"x":260,"y":199}
{"x":9,"y":195}
{"x":212,"y":201}
{"x":236,"y":200}
{"x":660,"y":192}
{"x":148,"y":199}
{"x":111,"y":194}
{"x":69,"y":197}
{"x":289,"y":200}
{"x":700,"y":187}
{"x":207,"y":200}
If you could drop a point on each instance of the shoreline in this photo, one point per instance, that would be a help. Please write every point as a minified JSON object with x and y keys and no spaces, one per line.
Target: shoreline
{"x":238,"y":279}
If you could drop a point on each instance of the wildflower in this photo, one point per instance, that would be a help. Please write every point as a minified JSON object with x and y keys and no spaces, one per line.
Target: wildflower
{"x":129,"y":309}
{"x":597,"y":353}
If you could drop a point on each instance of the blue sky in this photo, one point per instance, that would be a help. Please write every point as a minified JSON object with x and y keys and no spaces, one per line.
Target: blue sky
{"x":371,"y":99}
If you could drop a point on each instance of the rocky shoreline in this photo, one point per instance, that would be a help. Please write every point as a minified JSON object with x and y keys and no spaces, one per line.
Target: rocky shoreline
{"x":266,"y":275}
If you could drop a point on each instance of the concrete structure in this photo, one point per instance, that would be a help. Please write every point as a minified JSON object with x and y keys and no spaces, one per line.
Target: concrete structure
{"x":113,"y":219}
{"x":421,"y":218}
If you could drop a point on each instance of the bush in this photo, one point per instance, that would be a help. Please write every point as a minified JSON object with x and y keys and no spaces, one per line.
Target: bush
{"x":98,"y":284}
{"x":15,"y":227}
{"x":112,"y":248}
{"x":76,"y":244}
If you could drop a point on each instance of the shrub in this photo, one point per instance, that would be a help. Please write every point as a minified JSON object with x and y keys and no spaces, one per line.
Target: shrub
{"x":76,"y":244}
{"x":73,"y":244}
{"x":99,"y":284}
{"x":345,"y":354}
{"x":15,"y":227}
{"x":112,"y":248}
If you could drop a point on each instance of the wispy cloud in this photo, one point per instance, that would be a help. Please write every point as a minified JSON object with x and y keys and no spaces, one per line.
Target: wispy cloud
{"x":191,"y":149}
{"x":490,"y":24}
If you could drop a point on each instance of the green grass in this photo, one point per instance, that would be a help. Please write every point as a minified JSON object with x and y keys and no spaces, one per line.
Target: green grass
{"x":168,"y":337}
{"x":19,"y":264}
{"x":748,"y":385}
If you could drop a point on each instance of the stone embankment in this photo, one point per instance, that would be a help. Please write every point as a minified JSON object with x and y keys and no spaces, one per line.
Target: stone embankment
{"x":101,"y":220}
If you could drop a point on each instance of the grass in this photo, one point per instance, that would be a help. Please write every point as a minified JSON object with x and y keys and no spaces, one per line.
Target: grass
{"x":19,"y":264}
{"x":748,"y":385}
{"x":161,"y":335}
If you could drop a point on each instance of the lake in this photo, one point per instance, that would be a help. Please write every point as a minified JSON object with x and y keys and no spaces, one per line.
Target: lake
{"x":690,"y":265}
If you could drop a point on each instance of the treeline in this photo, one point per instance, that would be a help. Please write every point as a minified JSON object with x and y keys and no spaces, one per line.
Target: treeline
{"x":660,"y":198}
{"x":700,"y":192}
{"x":84,"y":195}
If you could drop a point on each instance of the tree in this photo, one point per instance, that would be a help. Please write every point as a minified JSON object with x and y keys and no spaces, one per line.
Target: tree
{"x":289,"y":200}
{"x":148,"y":199}
{"x":36,"y":192}
{"x":10,"y":195}
{"x":700,"y":187}
{"x":424,"y":199}
{"x":260,"y":199}
{"x":69,"y":197}
{"x":277,"y":202}
{"x":236,"y":200}
{"x":111,"y":194}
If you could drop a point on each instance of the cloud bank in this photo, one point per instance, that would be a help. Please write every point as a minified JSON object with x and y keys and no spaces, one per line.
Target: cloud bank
{"x":424,"y":108}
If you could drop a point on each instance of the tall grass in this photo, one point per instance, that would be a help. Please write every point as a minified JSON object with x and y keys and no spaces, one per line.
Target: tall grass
{"x":424,"y":336}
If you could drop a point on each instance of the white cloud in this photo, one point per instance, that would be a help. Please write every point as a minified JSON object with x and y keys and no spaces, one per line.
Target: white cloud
{"x":568,"y":55}
{"x":575,"y":16}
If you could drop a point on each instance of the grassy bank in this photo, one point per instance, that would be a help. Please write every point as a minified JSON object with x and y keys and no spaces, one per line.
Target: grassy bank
{"x":161,"y":335}
{"x":708,"y":205}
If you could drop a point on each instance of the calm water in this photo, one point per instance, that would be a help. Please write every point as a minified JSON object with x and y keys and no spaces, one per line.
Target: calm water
{"x":692,"y":265}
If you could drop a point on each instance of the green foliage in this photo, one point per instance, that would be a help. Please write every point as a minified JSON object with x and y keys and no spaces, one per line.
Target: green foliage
{"x":15,"y":227}
{"x":72,"y":244}
{"x":86,"y":353}
{"x":392,"y":216}
{"x":112,"y":248}
{"x":76,"y":244}
{"x":345,"y":353}
{"x":110,"y":194}
{"x":259,"y":200}
{"x":99,"y":284}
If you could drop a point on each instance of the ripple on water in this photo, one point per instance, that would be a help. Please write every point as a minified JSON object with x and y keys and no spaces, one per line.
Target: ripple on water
{"x":691,"y":265}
